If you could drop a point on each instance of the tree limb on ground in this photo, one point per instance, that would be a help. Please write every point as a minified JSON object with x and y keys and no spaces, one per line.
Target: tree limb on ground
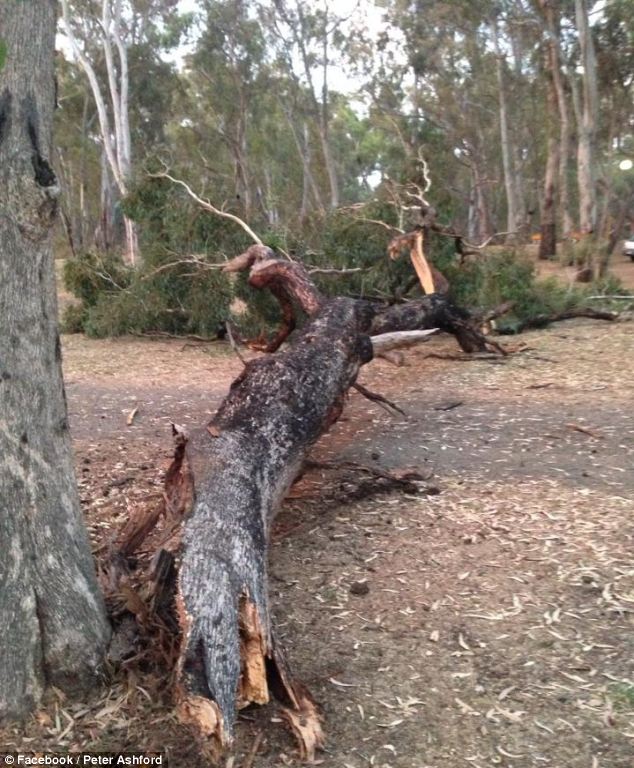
{"x":228,"y":479}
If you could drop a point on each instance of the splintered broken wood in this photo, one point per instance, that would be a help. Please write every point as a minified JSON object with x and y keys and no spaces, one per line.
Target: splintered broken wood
{"x":421,"y":266}
{"x":414,"y":242}
{"x":227,"y":481}
{"x":241,"y":466}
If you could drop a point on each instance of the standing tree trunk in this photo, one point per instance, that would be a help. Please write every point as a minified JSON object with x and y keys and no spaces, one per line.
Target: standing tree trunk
{"x":480,"y":225}
{"x":586,"y":171}
{"x":515,"y":217}
{"x":320,"y":107}
{"x":548,"y":242}
{"x":550,"y":12}
{"x":117,"y":144}
{"x":54,"y":626}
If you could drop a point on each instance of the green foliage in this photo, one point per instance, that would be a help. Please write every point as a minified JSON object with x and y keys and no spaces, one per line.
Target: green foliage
{"x":74,"y":318}
{"x":343,"y":240}
{"x":506,"y":276}
{"x":3,"y":54}
{"x":179,"y":288}
{"x":160,"y":296}
{"x":93,"y":274}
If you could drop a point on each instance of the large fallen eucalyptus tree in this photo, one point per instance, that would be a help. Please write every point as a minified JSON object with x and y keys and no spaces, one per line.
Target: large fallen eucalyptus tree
{"x":229,"y":477}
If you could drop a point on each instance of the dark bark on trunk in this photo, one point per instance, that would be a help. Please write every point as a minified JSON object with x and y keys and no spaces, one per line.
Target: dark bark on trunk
{"x":54,"y":627}
{"x":241,"y":466}
{"x":229,"y":478}
{"x":432,"y":311}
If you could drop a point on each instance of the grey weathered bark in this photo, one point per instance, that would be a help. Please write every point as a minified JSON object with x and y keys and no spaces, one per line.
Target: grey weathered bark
{"x":587,"y":128}
{"x":553,"y":26}
{"x":54,"y":626}
{"x":105,"y":236}
{"x":548,"y":227}
{"x":480,"y":226}
{"x":261,"y":434}
{"x":228,"y":479}
{"x":515,"y":217}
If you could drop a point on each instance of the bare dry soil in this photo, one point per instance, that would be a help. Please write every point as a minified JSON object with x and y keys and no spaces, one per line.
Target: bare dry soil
{"x":490,"y":624}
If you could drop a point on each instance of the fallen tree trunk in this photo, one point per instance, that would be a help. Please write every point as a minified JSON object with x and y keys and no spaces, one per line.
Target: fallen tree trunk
{"x":239,"y":468}
{"x":228,"y":479}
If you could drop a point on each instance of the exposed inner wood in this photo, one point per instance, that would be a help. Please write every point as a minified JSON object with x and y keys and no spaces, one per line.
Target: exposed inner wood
{"x":253,"y":687}
{"x":227,"y":481}
{"x":417,"y":255}
{"x":305,"y":723}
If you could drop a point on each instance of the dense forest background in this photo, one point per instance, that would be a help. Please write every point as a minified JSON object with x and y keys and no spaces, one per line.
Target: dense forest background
{"x":308,"y":121}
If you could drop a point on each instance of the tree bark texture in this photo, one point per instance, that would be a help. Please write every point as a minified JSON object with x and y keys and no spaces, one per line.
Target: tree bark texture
{"x":54,"y":627}
{"x":548,"y":242}
{"x":514,"y":216}
{"x":228,"y":479}
{"x":587,"y":127}
{"x":241,"y":466}
{"x":564,"y":118}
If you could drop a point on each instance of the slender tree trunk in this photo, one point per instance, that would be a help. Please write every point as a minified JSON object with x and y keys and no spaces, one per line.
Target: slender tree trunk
{"x":550,"y":12}
{"x":324,"y":131}
{"x":54,"y":627}
{"x":118,"y":144}
{"x":303,"y":150}
{"x":105,"y":233}
{"x":310,"y":178}
{"x":586,"y":171}
{"x":80,"y":214}
{"x":480,"y":224}
{"x":514,"y":218}
{"x":239,"y":147}
{"x":320,"y":107}
{"x":548,"y":242}
{"x":304,"y":208}
{"x":548,"y":228}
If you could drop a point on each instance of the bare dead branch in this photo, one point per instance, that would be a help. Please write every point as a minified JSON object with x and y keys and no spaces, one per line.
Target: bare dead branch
{"x":374,"y":397}
{"x":208,"y":205}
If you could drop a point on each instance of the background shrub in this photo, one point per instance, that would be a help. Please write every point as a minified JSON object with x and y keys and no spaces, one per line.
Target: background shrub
{"x":179,"y":288}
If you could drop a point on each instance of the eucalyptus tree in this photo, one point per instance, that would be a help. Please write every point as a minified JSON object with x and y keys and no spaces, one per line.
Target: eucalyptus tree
{"x":228,"y":78}
{"x":106,"y":37}
{"x":54,"y":625}
{"x":587,"y":118}
{"x":455,"y":87}
{"x":304,"y":37}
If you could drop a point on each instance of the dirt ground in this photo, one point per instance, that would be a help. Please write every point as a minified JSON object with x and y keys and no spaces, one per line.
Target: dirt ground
{"x":488,"y":623}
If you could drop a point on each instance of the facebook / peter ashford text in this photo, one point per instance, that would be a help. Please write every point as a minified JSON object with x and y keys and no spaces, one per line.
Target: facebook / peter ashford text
{"x":85,"y":759}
